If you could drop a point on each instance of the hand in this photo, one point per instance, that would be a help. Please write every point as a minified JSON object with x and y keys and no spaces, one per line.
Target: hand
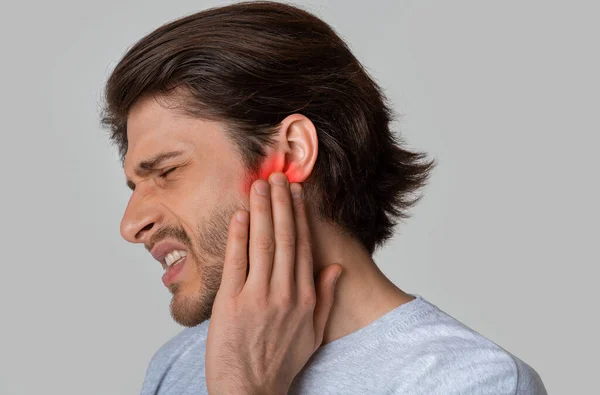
{"x":265,"y":327}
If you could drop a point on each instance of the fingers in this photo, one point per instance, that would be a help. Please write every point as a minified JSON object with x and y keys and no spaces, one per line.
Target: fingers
{"x":304,"y":257}
{"x":262,"y":239}
{"x":280,"y":249}
{"x":282,"y":276}
{"x":236,"y":260}
{"x":325,"y":292}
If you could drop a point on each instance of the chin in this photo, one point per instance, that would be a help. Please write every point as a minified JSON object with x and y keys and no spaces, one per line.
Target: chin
{"x":189,"y":308}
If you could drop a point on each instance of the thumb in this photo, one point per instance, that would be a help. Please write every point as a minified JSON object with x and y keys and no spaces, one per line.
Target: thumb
{"x":325,"y":290}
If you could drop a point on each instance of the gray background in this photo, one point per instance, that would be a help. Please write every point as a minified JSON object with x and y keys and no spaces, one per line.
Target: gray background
{"x":504,"y":94}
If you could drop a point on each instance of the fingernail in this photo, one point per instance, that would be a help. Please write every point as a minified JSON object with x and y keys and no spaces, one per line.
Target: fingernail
{"x":262,"y":187}
{"x":278,"y":178}
{"x":296,"y":190}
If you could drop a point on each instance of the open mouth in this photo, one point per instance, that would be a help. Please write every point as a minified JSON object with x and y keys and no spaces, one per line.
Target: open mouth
{"x":173,"y":258}
{"x":173,"y":270}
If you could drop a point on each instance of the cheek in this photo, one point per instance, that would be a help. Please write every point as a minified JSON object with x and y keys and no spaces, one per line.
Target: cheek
{"x":184,"y":210}
{"x":268,"y":166}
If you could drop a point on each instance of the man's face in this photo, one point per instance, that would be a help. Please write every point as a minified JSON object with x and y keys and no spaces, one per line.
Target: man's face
{"x":191,"y":206}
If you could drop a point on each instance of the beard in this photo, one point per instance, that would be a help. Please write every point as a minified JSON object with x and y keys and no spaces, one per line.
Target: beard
{"x":195,"y":306}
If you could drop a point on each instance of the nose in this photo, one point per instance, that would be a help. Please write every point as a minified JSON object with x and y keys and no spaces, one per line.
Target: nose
{"x":140,"y":218}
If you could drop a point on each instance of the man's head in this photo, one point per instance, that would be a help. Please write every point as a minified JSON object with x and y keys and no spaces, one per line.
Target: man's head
{"x":240,"y":91}
{"x":185,"y":199}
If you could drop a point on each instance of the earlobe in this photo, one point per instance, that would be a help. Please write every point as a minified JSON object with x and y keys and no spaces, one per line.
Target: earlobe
{"x":294,"y":175}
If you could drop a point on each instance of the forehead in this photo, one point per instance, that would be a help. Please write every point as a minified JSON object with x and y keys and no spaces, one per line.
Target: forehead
{"x":154,"y":128}
{"x":150,"y":123}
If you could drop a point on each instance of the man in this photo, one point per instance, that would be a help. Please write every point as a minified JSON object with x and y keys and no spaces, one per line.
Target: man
{"x":208,"y":108}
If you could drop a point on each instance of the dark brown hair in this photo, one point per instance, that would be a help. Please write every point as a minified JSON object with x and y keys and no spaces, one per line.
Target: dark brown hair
{"x":251,"y":64}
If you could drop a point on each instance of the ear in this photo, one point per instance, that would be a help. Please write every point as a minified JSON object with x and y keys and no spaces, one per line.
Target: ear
{"x":299,"y":136}
{"x":295,"y":151}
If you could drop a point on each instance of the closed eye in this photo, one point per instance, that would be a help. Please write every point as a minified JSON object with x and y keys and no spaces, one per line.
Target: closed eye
{"x":166,"y":173}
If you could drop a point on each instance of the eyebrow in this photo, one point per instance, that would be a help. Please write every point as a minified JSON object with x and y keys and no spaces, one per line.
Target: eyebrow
{"x":147,"y":166}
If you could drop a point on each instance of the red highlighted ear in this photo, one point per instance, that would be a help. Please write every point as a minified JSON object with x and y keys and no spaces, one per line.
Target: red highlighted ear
{"x":272,"y":165}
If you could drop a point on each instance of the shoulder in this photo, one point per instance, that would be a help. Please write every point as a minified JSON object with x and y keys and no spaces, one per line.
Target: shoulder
{"x":480,"y":370}
{"x":529,"y":381}
{"x":447,"y":357}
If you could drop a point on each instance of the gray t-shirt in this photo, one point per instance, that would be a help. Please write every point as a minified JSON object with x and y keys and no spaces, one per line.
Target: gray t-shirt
{"x":414,"y":349}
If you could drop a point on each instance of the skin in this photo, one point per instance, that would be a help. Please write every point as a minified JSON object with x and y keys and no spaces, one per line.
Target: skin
{"x":195,"y":205}
{"x":265,"y":327}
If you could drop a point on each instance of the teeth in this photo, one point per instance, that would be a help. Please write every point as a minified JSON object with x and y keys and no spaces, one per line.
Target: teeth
{"x":174,"y":256}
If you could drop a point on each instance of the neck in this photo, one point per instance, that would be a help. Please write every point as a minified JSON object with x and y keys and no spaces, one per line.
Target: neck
{"x":363,"y":293}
